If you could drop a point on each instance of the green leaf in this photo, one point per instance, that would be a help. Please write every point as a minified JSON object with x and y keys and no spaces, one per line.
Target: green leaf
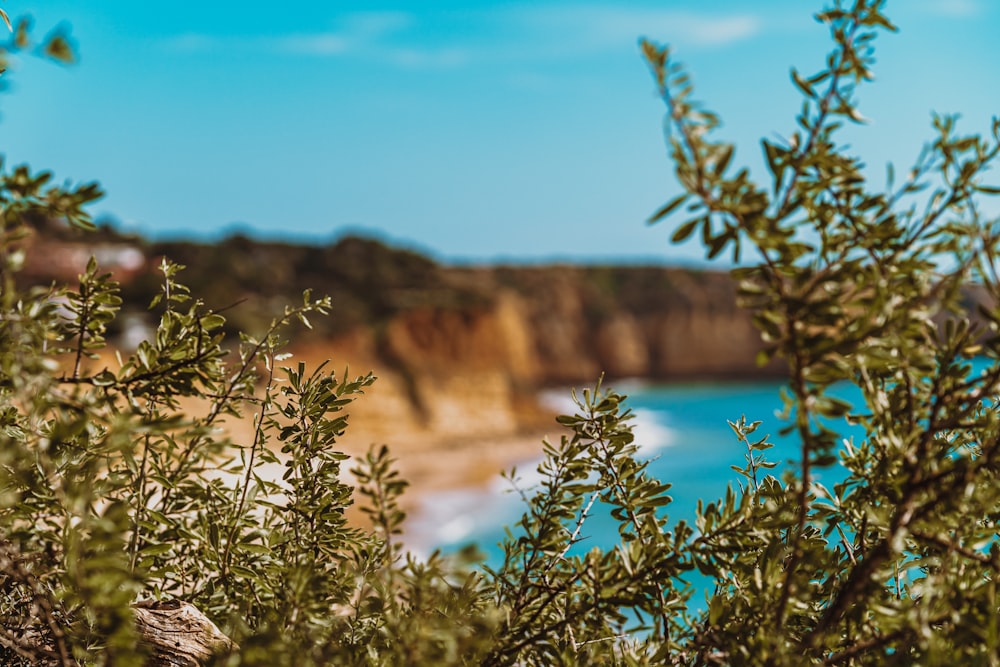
{"x":104,"y":379}
{"x":58,"y":47}
{"x":255,"y":549}
{"x":244,"y":572}
{"x":156,"y":549}
{"x":667,"y":209}
{"x":804,"y":86}
{"x":685,"y":230}
{"x":212,"y":321}
{"x":724,"y":160}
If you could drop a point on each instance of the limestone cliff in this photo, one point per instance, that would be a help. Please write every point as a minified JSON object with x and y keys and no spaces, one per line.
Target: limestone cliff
{"x":461,"y":351}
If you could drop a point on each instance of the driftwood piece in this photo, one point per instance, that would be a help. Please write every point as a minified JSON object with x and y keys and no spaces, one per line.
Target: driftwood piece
{"x":173,"y":633}
{"x":178,"y":634}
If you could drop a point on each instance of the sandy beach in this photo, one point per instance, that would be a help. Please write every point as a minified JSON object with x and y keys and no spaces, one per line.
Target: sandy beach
{"x":464,"y":462}
{"x":431,"y":463}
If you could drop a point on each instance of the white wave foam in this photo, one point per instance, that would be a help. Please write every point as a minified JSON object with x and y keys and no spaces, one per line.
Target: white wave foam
{"x":651,"y":434}
{"x":558,"y":400}
{"x":451,"y":517}
{"x":456,"y":530}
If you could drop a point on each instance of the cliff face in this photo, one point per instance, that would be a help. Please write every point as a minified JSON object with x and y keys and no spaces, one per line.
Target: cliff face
{"x":468,"y":372}
{"x":646,"y":322}
{"x":460,"y":352}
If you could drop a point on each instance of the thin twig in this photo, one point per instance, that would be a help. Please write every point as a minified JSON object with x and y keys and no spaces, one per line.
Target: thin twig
{"x":258,"y":439}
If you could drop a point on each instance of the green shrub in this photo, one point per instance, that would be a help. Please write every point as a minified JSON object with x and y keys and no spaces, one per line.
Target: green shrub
{"x":117,"y":482}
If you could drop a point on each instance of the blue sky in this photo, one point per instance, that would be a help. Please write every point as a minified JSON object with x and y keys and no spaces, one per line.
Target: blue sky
{"x":476,"y":131}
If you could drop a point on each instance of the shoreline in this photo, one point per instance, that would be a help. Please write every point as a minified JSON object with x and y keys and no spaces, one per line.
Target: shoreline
{"x":447,"y":514}
{"x":451,"y":489}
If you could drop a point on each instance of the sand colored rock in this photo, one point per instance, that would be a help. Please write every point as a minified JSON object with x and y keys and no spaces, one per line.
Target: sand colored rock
{"x":461,"y":352}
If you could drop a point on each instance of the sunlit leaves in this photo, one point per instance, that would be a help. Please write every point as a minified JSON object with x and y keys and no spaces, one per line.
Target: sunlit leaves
{"x":875,"y":289}
{"x":877,"y":546}
{"x":25,"y":196}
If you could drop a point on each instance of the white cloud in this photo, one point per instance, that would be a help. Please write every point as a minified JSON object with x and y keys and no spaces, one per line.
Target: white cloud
{"x":602,"y":26}
{"x":377,"y":24}
{"x":955,"y":8}
{"x":316,"y":44}
{"x":722,"y":31}
{"x":356,"y":32}
{"x":512,"y":34}
{"x":372,"y":35}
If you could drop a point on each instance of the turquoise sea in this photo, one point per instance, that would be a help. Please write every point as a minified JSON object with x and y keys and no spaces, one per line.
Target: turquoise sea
{"x":681,"y":428}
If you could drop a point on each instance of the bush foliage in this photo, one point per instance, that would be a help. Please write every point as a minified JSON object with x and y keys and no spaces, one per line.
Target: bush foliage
{"x":117,"y":482}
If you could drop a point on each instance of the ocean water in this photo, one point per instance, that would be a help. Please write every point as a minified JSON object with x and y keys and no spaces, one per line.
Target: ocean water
{"x":681,"y":428}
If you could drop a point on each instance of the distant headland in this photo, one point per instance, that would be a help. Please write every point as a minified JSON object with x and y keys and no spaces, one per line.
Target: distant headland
{"x":461,"y":352}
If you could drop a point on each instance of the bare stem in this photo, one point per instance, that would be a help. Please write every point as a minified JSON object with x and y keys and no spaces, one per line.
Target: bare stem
{"x":258,"y":440}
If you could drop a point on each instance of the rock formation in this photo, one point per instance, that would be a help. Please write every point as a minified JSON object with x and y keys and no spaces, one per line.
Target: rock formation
{"x":461,"y":352}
